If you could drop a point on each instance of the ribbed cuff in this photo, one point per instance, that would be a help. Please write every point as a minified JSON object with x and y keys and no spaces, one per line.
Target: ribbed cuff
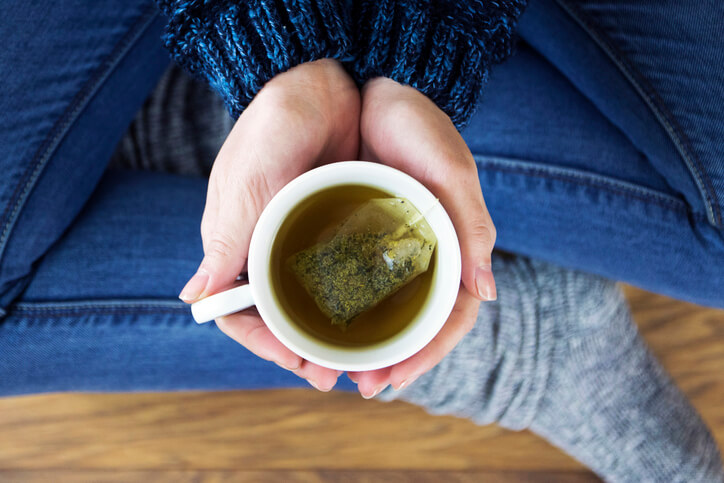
{"x":239,"y":46}
{"x":442,"y":48}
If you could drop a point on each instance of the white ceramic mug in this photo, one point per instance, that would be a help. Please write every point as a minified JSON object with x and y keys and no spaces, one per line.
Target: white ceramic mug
{"x":439,"y":304}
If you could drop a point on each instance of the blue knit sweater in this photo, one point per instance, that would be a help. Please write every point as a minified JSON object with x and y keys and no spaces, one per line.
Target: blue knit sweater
{"x":444,"y":48}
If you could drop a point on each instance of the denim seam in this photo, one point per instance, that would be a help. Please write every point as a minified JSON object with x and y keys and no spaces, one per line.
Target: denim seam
{"x":60,"y":129}
{"x":586,"y":179}
{"x":661,"y":112}
{"x":106,"y":306}
{"x":71,"y":304}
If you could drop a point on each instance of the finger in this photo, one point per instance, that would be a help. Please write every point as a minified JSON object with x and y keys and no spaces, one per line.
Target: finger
{"x":461,"y":321}
{"x":463,"y":200}
{"x":456,"y":185}
{"x":225,"y":232}
{"x":445,"y":165}
{"x":249,"y":330}
{"x":234,"y":204}
{"x":402,"y":128}
{"x":371,"y":383}
{"x":321,"y":378}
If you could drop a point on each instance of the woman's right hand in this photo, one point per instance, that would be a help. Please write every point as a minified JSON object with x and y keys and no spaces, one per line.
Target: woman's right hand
{"x":306,"y":116}
{"x":403,"y":128}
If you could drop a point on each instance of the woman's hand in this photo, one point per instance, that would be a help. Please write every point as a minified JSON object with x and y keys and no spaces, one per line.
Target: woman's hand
{"x":306,"y":116}
{"x":402,"y":128}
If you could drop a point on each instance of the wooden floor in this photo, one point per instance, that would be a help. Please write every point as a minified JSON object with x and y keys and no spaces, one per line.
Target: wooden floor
{"x":304,"y":436}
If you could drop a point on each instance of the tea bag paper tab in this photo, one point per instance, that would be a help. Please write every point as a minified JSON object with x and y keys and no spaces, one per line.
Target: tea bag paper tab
{"x":375,"y":251}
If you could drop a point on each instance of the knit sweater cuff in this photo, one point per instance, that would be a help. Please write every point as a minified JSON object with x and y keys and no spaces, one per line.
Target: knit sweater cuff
{"x":239,"y":46}
{"x":442,"y":48}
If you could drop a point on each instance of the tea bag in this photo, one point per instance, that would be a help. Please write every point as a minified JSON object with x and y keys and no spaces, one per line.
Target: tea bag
{"x":375,"y":251}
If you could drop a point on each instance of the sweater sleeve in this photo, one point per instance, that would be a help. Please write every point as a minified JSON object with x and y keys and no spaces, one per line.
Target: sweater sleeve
{"x":237,"y":46}
{"x":443,"y":48}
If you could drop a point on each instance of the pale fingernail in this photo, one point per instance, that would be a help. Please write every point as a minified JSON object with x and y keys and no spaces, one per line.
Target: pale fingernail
{"x":316,"y":386}
{"x":195,"y":286}
{"x":485,"y":283}
{"x":292,"y":369}
{"x":377,"y":391}
{"x":406,"y":382}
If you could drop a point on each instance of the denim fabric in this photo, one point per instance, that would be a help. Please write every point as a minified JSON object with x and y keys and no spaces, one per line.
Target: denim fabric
{"x":576,"y":167}
{"x":673,"y":55}
{"x":74,"y":74}
{"x":564,"y":184}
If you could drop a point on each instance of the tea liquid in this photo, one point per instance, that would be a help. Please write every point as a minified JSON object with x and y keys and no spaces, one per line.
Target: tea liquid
{"x":312,"y":221}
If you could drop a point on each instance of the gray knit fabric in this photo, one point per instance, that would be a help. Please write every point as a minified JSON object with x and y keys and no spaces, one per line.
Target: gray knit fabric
{"x":559,"y":354}
{"x":180,"y":128}
{"x":556,"y":353}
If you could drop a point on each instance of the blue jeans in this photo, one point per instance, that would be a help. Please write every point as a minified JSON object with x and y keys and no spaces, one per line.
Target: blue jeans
{"x":598,"y":146}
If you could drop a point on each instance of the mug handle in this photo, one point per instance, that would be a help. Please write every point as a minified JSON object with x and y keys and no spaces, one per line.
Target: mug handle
{"x":222,"y":303}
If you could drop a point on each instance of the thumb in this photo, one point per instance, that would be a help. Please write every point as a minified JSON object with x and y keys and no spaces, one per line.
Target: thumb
{"x":476,"y":232}
{"x":477,"y":238}
{"x":226,"y":249}
{"x":404,"y":129}
{"x":226,"y":233}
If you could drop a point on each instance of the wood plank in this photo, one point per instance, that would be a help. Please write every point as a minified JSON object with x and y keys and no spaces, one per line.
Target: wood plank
{"x":294,"y":476}
{"x":285,"y":429}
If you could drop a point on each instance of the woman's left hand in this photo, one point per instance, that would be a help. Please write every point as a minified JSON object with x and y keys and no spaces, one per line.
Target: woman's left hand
{"x":402,"y":128}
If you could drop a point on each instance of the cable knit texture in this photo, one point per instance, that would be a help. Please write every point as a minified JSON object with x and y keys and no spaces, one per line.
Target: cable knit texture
{"x":239,"y":46}
{"x":442,"y":48}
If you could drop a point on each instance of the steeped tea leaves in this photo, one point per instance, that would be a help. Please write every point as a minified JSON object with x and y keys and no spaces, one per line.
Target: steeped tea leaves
{"x":379,"y":248}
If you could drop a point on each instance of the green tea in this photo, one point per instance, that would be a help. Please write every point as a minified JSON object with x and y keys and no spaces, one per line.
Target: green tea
{"x":315,"y":220}
{"x":381,"y":247}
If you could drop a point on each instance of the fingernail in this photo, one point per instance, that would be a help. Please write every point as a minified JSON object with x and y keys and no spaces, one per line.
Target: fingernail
{"x":316,"y":386}
{"x":485,"y":283}
{"x":406,"y":382}
{"x":195,"y":286}
{"x":377,"y":391}
{"x":292,"y":369}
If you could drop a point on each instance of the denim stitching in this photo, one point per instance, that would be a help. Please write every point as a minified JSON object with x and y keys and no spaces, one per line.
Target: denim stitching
{"x":654,"y":101}
{"x":102,"y":304}
{"x":586,"y":179}
{"x":583,"y":179}
{"x":61,"y":127}
{"x":82,"y":307}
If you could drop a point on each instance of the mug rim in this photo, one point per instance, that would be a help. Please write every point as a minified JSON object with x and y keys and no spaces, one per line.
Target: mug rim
{"x":424,"y":326}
